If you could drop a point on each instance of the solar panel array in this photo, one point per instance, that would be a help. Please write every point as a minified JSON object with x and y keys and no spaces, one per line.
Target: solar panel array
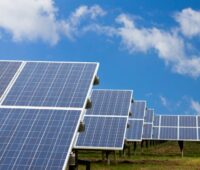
{"x":106,"y":121}
{"x":136,"y":121}
{"x":148,"y":124}
{"x":40,"y":112}
{"x":176,"y":127}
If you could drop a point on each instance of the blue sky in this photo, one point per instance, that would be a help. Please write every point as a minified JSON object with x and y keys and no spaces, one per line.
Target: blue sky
{"x":151,"y":47}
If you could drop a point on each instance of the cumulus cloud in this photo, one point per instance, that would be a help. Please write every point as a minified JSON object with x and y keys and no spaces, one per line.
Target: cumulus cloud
{"x":168,"y":44}
{"x":29,"y":19}
{"x":189,"y":21}
{"x":36,"y":19}
{"x":195,"y":105}
{"x":71,"y":24}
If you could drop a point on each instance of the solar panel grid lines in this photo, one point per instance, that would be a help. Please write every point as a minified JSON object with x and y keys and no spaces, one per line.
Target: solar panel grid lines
{"x":50,"y":84}
{"x":135,"y":130}
{"x":23,"y":128}
{"x":148,"y":124}
{"x":110,"y":117}
{"x":8,"y":74}
{"x":36,"y":145}
{"x":136,"y":121}
{"x":177,"y":127}
{"x":110,"y":102}
{"x":149,"y":115}
{"x":106,"y":134}
{"x":138,"y":109}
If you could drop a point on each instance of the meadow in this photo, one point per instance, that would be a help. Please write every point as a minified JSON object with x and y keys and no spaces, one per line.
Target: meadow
{"x":164,"y":156}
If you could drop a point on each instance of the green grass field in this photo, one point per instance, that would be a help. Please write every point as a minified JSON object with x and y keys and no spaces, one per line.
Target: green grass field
{"x":165,"y":156}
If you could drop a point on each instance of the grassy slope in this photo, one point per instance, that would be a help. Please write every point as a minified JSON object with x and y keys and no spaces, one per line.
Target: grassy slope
{"x":165,"y":156}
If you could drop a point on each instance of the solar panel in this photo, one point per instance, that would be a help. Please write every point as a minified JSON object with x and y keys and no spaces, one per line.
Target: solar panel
{"x":134,"y":132}
{"x":138,"y":109}
{"x":155,"y":133}
{"x":188,"y":134}
{"x":168,"y":133}
{"x":40,"y":112}
{"x":187,"y":121}
{"x":7,"y":72}
{"x":110,"y":102}
{"x":149,"y":116}
{"x":147,"y":131}
{"x":102,"y":132}
{"x":35,"y":138}
{"x":176,"y":127}
{"x":169,"y":120}
{"x":106,"y":121}
{"x":156,"y":121}
{"x":52,"y":84}
{"x":136,"y":121}
{"x":148,"y":124}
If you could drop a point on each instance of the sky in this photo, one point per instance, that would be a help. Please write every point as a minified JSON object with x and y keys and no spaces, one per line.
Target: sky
{"x":151,"y":47}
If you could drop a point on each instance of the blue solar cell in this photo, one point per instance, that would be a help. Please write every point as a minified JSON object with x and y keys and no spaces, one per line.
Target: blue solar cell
{"x":147,"y":131}
{"x":110,"y":102}
{"x":36,"y":139}
{"x":134,"y":132}
{"x":155,"y":132}
{"x":168,"y":133}
{"x":7,"y":72}
{"x":188,"y":133}
{"x":52,"y":84}
{"x":169,"y":120}
{"x":156,"y":120}
{"x":187,"y":121}
{"x":149,"y":114}
{"x":198,"y":121}
{"x":138,"y":109}
{"x":102,"y":133}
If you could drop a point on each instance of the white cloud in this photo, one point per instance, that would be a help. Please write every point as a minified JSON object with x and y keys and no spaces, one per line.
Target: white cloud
{"x":168,"y":44}
{"x":195,"y":106}
{"x":189,"y":21}
{"x":36,"y":20}
{"x":30,"y":20}
{"x":81,"y":13}
{"x":164,"y":101}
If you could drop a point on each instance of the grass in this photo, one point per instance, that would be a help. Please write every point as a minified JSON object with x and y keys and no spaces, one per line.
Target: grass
{"x":165,"y":156}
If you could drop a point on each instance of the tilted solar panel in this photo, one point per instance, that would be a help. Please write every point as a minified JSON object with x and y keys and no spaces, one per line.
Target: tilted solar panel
{"x":148,"y":124}
{"x":40,"y":112}
{"x":102,"y":132}
{"x":7,"y":72}
{"x":149,"y":114}
{"x":187,"y":121}
{"x":147,"y":131}
{"x":176,"y":127}
{"x":168,"y":133}
{"x":169,"y":120}
{"x":52,"y":84}
{"x":136,"y":121}
{"x":134,"y":132}
{"x":188,"y":134}
{"x":138,"y":109}
{"x":156,"y":120}
{"x":106,"y":121}
{"x":155,"y":133}
{"x":35,"y":138}
{"x":110,"y":102}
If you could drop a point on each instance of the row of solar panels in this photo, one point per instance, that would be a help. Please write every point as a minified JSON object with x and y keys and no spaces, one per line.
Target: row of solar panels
{"x":41,"y":106}
{"x":43,"y":103}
